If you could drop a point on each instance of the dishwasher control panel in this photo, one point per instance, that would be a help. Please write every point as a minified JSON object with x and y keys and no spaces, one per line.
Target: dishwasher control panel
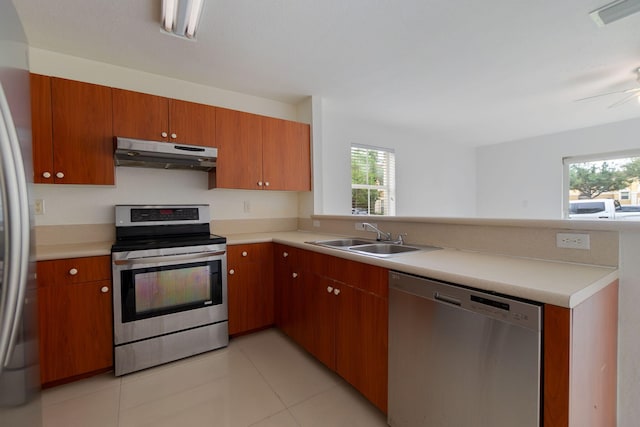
{"x":514,"y":311}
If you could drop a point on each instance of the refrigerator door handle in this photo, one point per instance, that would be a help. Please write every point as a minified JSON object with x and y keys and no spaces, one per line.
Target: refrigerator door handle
{"x":15,"y":205}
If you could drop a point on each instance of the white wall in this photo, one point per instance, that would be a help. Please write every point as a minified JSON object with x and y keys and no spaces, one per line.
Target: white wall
{"x":433,"y":178}
{"x":90,"y":204}
{"x":523,"y":179}
{"x":79,"y":204}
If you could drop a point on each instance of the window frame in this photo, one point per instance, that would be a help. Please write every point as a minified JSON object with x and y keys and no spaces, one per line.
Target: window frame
{"x":586,"y":158}
{"x":390,"y":178}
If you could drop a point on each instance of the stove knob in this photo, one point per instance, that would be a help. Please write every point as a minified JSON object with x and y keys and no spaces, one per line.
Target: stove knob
{"x":73,"y":271}
{"x":232,"y":272}
{"x":104,"y":289}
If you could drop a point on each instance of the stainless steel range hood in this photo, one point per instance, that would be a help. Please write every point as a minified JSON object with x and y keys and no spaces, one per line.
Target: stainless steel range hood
{"x":164,"y":155}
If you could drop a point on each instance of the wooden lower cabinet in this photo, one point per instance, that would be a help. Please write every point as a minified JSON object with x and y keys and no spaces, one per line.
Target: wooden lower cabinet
{"x":333,"y":313}
{"x":250,"y":287}
{"x":75,"y":318}
{"x":580,"y":362}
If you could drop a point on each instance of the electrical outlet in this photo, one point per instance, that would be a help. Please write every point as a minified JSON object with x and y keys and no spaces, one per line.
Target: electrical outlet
{"x":361,"y":227}
{"x":573,"y":241}
{"x":38,"y":206}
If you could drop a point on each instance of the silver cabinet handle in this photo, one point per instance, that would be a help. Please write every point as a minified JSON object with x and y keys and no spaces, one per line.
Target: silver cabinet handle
{"x":73,"y":271}
{"x":285,"y":254}
{"x":336,"y":291}
{"x":244,"y":253}
{"x":266,"y":183}
{"x":174,"y":136}
{"x":164,"y":134}
{"x":329,"y":289}
{"x":104,"y":289}
{"x":46,"y":175}
{"x":232,"y":272}
{"x":59,"y":175}
{"x":294,"y":275}
{"x":259,"y":183}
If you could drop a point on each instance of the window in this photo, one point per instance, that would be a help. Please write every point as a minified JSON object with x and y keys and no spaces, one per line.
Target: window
{"x":606,"y":176}
{"x":372,"y":181}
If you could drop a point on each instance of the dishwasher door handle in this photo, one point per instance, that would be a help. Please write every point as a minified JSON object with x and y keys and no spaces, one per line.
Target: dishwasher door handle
{"x":446,"y":298}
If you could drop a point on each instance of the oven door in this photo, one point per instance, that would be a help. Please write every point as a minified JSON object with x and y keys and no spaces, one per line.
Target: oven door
{"x":168,"y":290}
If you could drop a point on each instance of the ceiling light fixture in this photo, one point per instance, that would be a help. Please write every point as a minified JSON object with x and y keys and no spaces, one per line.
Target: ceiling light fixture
{"x":613,"y":11}
{"x":181,"y":17}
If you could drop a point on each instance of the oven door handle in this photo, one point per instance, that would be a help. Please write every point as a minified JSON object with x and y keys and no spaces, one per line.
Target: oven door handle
{"x":168,"y":258}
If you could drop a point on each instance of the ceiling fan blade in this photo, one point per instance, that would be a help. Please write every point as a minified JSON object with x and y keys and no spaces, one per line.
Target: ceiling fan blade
{"x":631,"y":90}
{"x":624,"y":100}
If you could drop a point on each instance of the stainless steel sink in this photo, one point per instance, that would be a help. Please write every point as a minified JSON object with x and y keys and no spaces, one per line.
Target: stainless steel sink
{"x":383,"y":249}
{"x":370,"y":247}
{"x":343,"y":243}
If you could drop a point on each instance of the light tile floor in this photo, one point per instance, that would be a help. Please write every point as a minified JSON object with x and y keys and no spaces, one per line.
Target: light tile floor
{"x":260,"y":380}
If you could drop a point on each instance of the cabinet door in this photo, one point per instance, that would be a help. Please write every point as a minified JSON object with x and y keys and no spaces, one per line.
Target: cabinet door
{"x":250,"y":283}
{"x":289,"y":285}
{"x":82,"y":133}
{"x":319,"y":319}
{"x":76,"y":327}
{"x":239,"y":141}
{"x":361,"y":343}
{"x":286,"y":155}
{"x":140,"y":116}
{"x":191,"y":123}
{"x":42,"y":129}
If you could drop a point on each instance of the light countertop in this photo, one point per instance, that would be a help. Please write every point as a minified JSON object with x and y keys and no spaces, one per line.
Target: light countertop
{"x":558,"y":283}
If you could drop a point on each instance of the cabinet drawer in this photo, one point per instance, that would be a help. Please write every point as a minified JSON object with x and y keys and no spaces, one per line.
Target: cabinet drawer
{"x":255,"y":252}
{"x":74,"y":270}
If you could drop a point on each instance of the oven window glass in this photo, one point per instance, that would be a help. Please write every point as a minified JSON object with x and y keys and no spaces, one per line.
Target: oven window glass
{"x":155,"y":291}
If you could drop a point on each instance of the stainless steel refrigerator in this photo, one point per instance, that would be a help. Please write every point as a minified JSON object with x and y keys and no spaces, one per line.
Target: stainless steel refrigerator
{"x":19,"y":370}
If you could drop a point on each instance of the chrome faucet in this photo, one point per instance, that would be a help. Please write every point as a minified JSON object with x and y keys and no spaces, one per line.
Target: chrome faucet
{"x":387,"y":236}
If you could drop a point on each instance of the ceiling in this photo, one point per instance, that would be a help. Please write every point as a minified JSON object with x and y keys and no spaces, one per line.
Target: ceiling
{"x":467,"y":71}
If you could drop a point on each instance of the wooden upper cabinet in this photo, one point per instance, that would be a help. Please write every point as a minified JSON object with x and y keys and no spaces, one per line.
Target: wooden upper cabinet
{"x":71,"y":124}
{"x":239,"y":142}
{"x":286,"y":158}
{"x":150,"y":117}
{"x":42,"y":129}
{"x":140,"y":116}
{"x":192,"y":123}
{"x":261,"y":153}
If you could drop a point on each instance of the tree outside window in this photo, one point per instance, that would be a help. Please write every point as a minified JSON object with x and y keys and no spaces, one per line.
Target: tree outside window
{"x":610,"y":177}
{"x":372,"y":181}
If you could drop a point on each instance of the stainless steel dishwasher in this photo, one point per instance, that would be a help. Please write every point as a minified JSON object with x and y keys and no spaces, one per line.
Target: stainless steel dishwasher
{"x":460,"y":357}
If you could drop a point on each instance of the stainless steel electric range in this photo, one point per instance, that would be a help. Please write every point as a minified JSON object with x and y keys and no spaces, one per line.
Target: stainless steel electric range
{"x":169,"y":285}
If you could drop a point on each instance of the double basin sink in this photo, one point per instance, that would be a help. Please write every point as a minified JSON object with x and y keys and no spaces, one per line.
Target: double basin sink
{"x":370,"y":247}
